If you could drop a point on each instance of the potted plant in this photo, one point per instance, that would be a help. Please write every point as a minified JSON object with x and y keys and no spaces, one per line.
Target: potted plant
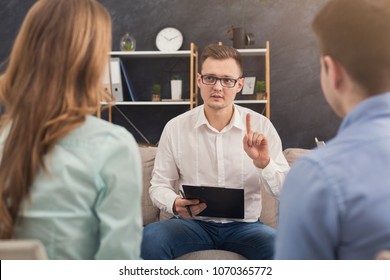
{"x":156,"y":92}
{"x":176,"y":87}
{"x":260,"y":90}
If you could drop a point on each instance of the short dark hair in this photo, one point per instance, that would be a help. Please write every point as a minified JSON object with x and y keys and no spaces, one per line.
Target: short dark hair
{"x":357,"y":34}
{"x":221,"y":52}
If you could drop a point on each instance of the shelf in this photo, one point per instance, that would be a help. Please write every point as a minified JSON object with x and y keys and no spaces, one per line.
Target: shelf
{"x":250,"y":101}
{"x":178,"y":102}
{"x":149,"y":103}
{"x":152,"y":54}
{"x":184,"y":53}
{"x":252,"y":52}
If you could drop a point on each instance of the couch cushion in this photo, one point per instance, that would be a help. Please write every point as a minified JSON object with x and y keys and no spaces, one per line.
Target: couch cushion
{"x":292,"y":154}
{"x":150,"y":213}
{"x":270,"y":210}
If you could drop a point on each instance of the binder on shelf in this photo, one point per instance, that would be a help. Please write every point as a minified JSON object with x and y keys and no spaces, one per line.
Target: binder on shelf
{"x":129,"y":86}
{"x":116,"y":80}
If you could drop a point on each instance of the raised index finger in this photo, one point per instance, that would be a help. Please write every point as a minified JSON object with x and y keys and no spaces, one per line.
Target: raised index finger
{"x":248,"y":123}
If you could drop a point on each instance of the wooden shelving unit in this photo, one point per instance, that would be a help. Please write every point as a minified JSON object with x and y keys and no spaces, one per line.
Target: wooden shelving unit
{"x":191,"y":54}
{"x":262,"y":52}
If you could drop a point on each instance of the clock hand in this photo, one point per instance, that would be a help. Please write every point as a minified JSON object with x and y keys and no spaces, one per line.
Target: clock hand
{"x":173,"y":38}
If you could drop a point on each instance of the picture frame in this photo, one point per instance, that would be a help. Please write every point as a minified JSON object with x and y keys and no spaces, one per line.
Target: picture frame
{"x":249,"y":86}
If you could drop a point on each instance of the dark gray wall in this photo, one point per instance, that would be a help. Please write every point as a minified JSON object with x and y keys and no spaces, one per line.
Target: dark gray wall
{"x":298,"y":109}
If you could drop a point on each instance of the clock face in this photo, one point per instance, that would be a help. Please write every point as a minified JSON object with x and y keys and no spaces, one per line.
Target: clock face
{"x":169,"y":39}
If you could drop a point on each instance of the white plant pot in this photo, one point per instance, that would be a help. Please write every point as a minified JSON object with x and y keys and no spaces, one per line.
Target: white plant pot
{"x":176,"y":87}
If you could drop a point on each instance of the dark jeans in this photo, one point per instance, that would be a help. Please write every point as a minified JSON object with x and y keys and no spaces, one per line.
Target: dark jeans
{"x":175,"y":237}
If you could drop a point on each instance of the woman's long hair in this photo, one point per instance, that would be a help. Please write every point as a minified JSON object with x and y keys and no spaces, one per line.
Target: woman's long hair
{"x":53,"y":80}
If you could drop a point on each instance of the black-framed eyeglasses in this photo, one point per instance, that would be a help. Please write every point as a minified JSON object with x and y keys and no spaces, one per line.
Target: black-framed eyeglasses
{"x":225,"y":82}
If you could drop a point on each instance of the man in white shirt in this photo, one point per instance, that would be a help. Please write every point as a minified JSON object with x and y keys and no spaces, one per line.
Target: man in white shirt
{"x":217,"y":144}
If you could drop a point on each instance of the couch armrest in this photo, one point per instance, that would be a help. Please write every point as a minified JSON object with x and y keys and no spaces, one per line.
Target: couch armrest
{"x":150,"y":213}
{"x":22,"y":250}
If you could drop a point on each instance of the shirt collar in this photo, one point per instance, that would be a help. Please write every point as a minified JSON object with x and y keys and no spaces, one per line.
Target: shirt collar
{"x":236,"y":120}
{"x":201,"y":120}
{"x":370,"y":108}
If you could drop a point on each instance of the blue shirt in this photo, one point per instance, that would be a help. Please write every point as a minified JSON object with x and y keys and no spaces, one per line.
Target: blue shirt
{"x":335,"y":203}
{"x":88,"y":204}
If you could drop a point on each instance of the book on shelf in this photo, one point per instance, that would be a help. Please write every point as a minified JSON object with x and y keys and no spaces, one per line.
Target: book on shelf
{"x":129,"y":89}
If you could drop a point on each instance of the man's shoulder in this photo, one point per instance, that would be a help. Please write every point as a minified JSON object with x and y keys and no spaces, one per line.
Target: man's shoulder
{"x":258,"y":121}
{"x":186,"y":117}
{"x":244,"y":110}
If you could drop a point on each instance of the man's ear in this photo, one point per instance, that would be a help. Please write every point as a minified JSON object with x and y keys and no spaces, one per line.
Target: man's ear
{"x":198,"y":79}
{"x":240,"y":84}
{"x":335,"y":71}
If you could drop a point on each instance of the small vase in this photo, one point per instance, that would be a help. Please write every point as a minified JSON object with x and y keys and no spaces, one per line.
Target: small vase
{"x":127,"y":43}
{"x":176,"y":86}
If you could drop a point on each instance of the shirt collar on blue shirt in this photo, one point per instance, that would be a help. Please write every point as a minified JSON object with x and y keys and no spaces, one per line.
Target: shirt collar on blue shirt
{"x":368,"y":109}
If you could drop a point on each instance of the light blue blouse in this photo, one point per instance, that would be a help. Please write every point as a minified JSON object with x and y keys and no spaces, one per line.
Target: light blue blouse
{"x":88,"y":204}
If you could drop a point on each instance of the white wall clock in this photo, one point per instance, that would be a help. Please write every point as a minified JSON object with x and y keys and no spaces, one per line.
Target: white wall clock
{"x":169,"y":39}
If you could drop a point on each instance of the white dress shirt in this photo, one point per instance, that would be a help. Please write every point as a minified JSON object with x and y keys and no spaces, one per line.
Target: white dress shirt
{"x":192,"y":152}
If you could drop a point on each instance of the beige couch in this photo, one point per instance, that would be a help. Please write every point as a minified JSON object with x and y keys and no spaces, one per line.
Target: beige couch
{"x":152,"y":214}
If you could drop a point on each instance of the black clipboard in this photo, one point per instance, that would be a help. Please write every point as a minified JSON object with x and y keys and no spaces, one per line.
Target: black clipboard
{"x":221,"y":202}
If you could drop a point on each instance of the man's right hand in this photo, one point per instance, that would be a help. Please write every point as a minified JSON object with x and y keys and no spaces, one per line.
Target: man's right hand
{"x":180,"y":207}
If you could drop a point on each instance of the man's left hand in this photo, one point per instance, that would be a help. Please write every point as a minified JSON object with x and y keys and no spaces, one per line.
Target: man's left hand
{"x":256,"y":145}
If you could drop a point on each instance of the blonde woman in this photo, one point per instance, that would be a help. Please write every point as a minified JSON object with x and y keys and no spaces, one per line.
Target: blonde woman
{"x":66,"y":177}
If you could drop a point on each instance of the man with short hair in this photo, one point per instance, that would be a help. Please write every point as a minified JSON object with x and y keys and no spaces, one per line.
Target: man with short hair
{"x":335,"y":201}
